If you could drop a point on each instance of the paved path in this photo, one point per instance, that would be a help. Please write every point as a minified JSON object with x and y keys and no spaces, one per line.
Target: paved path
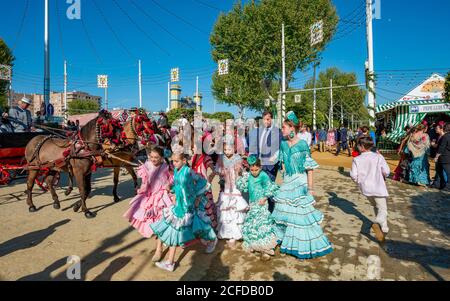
{"x":36,"y":246}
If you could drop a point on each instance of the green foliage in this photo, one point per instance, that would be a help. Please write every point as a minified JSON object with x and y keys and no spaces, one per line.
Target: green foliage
{"x":250,"y":37}
{"x":77,"y":107}
{"x":175,"y":114}
{"x":447,"y":88}
{"x":6,"y":58}
{"x":222,"y":116}
{"x":351,"y":99}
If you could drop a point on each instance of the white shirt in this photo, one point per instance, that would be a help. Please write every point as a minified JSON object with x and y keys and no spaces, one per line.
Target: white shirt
{"x":369,"y":170}
{"x":306,"y":136}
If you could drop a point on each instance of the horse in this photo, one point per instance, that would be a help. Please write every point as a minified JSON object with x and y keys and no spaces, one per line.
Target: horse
{"x":137,"y":133}
{"x":75,"y":157}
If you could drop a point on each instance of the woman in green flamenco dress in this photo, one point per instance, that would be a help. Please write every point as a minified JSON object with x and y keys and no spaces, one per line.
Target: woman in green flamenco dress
{"x":258,"y":231}
{"x":298,"y":222}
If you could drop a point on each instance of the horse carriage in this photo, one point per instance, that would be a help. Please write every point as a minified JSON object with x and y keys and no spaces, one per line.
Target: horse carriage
{"x":13,"y":164}
{"x":103,"y":142}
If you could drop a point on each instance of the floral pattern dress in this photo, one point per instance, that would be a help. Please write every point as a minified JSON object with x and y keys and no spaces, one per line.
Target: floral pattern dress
{"x":182,"y":223}
{"x":259,"y":231}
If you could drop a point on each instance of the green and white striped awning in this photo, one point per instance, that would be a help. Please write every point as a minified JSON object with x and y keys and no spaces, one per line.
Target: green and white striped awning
{"x":391,"y":105}
{"x":405,"y":118}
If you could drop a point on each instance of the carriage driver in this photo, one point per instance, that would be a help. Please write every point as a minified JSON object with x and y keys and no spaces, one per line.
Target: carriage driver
{"x":20,"y":117}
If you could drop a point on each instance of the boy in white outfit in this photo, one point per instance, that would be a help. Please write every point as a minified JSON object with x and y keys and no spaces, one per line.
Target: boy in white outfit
{"x":370,"y":170}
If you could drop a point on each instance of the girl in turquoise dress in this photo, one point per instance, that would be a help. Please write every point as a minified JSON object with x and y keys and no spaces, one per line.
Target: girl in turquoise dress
{"x":184,"y":221}
{"x":258,"y":231}
{"x":298,"y":222}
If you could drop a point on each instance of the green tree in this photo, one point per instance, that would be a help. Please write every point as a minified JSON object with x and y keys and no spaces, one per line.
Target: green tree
{"x":6,"y":58}
{"x":447,"y":88}
{"x":78,"y":106}
{"x":250,"y":37}
{"x":175,"y":114}
{"x":351,"y":99}
{"x":222,"y":116}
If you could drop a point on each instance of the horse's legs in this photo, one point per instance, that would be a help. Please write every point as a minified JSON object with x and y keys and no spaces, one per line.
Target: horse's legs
{"x":116,"y":181}
{"x":32,"y":175}
{"x":82,"y":187}
{"x":88,"y":181}
{"x":70,"y":176}
{"x":133,"y":175}
{"x":49,"y":181}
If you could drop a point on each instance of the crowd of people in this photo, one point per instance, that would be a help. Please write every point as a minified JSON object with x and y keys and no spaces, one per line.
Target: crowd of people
{"x":421,"y":143}
{"x":176,"y":205}
{"x":175,"y":202}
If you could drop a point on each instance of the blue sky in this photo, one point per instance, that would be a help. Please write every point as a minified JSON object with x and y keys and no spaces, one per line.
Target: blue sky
{"x":411,"y":36}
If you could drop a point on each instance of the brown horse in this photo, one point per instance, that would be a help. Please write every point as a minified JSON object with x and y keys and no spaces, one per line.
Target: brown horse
{"x":50,"y":152}
{"x":137,"y":133}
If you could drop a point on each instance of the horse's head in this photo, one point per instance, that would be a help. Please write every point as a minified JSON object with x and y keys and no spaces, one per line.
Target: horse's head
{"x":109,"y":130}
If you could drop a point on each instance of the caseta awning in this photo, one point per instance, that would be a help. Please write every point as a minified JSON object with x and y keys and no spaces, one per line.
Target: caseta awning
{"x":409,"y":113}
{"x":392,"y":105}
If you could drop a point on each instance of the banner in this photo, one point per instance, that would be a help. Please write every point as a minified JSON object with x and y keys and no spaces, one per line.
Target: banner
{"x":102,"y":81}
{"x":443,"y":107}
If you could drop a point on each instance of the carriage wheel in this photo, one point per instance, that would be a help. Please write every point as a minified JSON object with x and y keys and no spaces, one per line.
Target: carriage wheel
{"x":5,"y":177}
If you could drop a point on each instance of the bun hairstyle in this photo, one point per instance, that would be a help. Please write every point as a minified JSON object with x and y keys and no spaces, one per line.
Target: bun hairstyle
{"x":254,"y":161}
{"x":292,"y":121}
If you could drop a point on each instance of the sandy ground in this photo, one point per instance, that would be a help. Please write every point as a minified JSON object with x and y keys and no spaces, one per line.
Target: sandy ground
{"x":35,"y":246}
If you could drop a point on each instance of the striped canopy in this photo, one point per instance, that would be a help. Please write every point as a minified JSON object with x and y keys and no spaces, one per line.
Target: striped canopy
{"x":392,"y":105}
{"x":404,"y":117}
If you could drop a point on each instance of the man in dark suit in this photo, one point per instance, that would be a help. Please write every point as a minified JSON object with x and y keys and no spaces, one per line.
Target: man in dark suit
{"x":443,"y":158}
{"x":264,"y":142}
{"x":342,"y":139}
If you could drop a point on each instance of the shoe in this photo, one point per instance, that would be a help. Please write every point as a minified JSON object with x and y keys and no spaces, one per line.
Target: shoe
{"x":165,"y":265}
{"x":378,"y":233}
{"x":265,"y":257}
{"x":211,"y":246}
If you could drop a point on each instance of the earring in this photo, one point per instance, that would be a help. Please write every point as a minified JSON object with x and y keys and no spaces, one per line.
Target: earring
{"x":292,"y":135}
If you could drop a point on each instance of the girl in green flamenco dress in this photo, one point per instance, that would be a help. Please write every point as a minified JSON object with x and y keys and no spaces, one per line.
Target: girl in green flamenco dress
{"x":259,"y":229}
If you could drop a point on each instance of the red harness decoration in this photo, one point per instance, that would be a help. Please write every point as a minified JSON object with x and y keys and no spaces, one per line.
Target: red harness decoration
{"x":111,"y":129}
{"x":144,"y":129}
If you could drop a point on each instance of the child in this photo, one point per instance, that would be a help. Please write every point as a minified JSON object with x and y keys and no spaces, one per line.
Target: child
{"x":231,"y":207}
{"x":259,"y":229}
{"x":298,"y":222}
{"x":370,"y":170}
{"x":152,"y":197}
{"x":181,"y":222}
{"x":200,"y":165}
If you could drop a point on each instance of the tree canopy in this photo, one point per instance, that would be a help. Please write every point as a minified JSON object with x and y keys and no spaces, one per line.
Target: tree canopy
{"x":6,"y":58}
{"x":352,"y":99}
{"x":249,"y":36}
{"x":78,"y":106}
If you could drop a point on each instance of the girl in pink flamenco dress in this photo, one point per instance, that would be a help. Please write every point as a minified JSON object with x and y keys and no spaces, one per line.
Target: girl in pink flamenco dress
{"x":153,"y":195}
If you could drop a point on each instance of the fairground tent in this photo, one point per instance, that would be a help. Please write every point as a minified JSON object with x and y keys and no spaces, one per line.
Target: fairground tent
{"x":411,"y":109}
